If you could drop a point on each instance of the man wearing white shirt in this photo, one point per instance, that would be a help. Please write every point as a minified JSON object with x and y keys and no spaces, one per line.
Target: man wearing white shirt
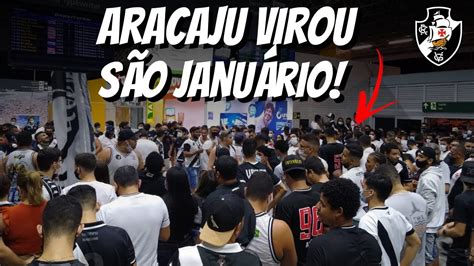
{"x":391,"y":229}
{"x":84,"y":170}
{"x":144,"y":145}
{"x":365,"y":142}
{"x":144,"y":217}
{"x":108,"y":138}
{"x":351,"y":161}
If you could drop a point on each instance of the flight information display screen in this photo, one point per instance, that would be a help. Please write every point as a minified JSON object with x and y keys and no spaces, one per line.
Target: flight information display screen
{"x":53,"y":40}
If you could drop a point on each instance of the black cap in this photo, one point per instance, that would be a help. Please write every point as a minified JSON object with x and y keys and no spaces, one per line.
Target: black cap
{"x":126,"y":134}
{"x":467,"y":172}
{"x":293,"y":162}
{"x":224,"y":214}
{"x":428,"y":152}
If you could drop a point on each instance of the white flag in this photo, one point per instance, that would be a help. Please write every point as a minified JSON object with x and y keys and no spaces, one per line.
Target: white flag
{"x":72,"y":120}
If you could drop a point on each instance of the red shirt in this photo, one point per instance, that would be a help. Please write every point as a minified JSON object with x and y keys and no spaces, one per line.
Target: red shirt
{"x":21,"y":234}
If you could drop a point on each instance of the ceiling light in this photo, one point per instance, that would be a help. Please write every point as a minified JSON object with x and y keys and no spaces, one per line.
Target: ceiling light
{"x":400,"y":41}
{"x":360,"y":47}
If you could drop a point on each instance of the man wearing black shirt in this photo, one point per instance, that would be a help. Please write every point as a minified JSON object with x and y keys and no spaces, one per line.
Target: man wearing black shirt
{"x":225,"y":175}
{"x":251,"y":165}
{"x":332,"y":152}
{"x":298,"y":209}
{"x":392,"y":152}
{"x":349,"y":245}
{"x":463,"y":215}
{"x":99,"y":243}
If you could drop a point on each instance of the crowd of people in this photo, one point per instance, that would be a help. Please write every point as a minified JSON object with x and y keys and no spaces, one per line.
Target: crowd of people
{"x":335,"y":193}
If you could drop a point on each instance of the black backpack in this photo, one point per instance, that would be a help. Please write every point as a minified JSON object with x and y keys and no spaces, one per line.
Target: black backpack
{"x":244,"y":257}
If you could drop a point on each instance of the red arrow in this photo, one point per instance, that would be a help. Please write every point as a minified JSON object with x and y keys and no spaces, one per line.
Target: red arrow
{"x":364,"y":110}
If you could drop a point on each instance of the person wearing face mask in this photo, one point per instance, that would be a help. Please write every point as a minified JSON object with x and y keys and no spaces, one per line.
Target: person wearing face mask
{"x":85,"y":164}
{"x":341,"y":126}
{"x":293,"y":144}
{"x":431,"y":188}
{"x":274,"y":242}
{"x":391,"y":229}
{"x":444,"y":146}
{"x":49,"y":163}
{"x":122,"y":153}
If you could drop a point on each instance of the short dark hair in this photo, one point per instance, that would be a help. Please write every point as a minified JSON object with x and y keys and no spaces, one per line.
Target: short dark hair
{"x":388,"y":147}
{"x":154,"y":163}
{"x":364,"y":140}
{"x":381,"y":183}
{"x":378,"y":157}
{"x":311,"y":139}
{"x":342,"y":193}
{"x":61,"y":216}
{"x":47,"y":157}
{"x":126,"y":176}
{"x":281,"y":146}
{"x":24,"y":139}
{"x":86,"y":161}
{"x":227,"y":166}
{"x":96,"y":124}
{"x":315,"y":164}
{"x":296,"y":174}
{"x":101,"y":172}
{"x":85,"y":195}
{"x":269,"y":105}
{"x":249,"y":147}
{"x":265,"y":131}
{"x":355,"y":150}
{"x":259,"y":186}
{"x":388,"y":170}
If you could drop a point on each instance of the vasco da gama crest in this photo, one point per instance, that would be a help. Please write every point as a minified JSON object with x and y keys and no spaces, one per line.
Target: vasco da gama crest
{"x":438,"y":36}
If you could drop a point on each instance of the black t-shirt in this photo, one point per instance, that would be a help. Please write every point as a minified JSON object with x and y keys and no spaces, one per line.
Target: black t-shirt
{"x":317,"y":187}
{"x":332,"y":153}
{"x":246,"y":170}
{"x":167,"y":140}
{"x":349,"y":246}
{"x":57,"y":263}
{"x":463,"y":212}
{"x":103,"y":244}
{"x":299,"y":211}
{"x":153,"y":184}
{"x":248,"y":230}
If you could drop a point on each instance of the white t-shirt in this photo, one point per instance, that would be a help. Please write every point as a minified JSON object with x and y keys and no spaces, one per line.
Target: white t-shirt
{"x":363,"y":160}
{"x":204,"y":158}
{"x":413,"y":207}
{"x":315,"y":125}
{"x":145,"y":147}
{"x":356,"y":175}
{"x":389,"y":227}
{"x":142,"y":216}
{"x":445,"y":172}
{"x":105,"y":193}
{"x":106,"y":142}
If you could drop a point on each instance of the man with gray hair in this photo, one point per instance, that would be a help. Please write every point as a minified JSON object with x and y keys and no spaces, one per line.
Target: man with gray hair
{"x":144,"y":217}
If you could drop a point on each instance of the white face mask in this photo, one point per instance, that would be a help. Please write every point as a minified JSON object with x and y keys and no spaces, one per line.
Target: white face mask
{"x":443,"y":147}
{"x":428,"y":140}
{"x":293,"y":141}
{"x":179,"y":135}
{"x":372,"y":137}
{"x":247,"y":134}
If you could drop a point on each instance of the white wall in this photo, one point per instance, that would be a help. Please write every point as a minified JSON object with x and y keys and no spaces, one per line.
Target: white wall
{"x":359,"y":78}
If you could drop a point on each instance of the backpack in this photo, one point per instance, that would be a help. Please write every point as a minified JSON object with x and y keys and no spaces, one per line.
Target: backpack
{"x":244,"y":257}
